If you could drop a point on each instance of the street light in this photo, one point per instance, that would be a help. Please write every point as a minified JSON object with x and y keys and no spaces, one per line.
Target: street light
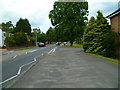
{"x":35,"y":31}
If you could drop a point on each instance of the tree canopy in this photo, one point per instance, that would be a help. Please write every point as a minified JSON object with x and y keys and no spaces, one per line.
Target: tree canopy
{"x":8,"y":27}
{"x":23,"y":25}
{"x":69,"y":19}
{"x":42,"y":37}
{"x":51,"y":36}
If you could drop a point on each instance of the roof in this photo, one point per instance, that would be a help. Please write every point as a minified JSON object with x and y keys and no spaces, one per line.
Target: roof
{"x":114,"y":13}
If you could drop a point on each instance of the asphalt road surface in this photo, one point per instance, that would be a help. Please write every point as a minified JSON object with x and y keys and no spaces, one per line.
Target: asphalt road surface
{"x":70,"y":68}
{"x":11,"y":65}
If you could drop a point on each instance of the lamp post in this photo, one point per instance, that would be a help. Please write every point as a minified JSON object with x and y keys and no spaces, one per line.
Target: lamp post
{"x":35,"y":31}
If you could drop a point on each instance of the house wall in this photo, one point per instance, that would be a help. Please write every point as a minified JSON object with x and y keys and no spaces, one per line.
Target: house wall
{"x":115,"y":23}
{"x":2,"y":38}
{"x":115,"y":26}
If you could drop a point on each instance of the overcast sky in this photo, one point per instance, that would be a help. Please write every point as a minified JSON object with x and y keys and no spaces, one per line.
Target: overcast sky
{"x":37,"y":11}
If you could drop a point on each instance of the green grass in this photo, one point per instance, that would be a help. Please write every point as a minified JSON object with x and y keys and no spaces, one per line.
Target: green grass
{"x":74,"y":45}
{"x":109,"y":59}
{"x":24,"y":48}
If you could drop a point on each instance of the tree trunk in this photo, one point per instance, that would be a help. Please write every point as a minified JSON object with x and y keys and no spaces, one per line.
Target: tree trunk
{"x":71,"y":43}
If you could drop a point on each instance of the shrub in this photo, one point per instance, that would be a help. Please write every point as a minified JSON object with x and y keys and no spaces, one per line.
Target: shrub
{"x":98,"y":38}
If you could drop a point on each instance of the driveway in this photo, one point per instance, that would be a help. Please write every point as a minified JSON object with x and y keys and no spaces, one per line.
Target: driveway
{"x":70,"y":68}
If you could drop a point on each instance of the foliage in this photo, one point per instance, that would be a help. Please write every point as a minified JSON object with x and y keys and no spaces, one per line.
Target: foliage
{"x":10,"y":40}
{"x":23,"y":25}
{"x":8,"y":27}
{"x":69,"y":19}
{"x":42,"y":37}
{"x":109,"y":59}
{"x":74,"y":45}
{"x":51,"y":35}
{"x":20,"y":38}
{"x":98,"y":38}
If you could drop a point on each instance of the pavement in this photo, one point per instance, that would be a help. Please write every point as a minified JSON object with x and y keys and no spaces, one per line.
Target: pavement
{"x":70,"y":68}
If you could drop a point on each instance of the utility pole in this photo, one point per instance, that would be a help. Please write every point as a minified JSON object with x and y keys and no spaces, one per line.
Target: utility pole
{"x":36,"y":31}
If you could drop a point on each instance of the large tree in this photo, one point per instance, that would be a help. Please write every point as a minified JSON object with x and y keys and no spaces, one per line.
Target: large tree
{"x":23,"y":25}
{"x":70,"y":17}
{"x":8,"y":27}
{"x":98,"y":38}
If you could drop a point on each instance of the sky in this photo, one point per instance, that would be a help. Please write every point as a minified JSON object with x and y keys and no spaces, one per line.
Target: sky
{"x":37,"y":11}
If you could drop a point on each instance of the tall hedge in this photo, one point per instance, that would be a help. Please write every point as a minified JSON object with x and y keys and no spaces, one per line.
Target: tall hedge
{"x":98,"y":38}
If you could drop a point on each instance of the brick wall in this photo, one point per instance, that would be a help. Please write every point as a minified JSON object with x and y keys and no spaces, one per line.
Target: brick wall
{"x":115,"y":23}
{"x":115,"y":26}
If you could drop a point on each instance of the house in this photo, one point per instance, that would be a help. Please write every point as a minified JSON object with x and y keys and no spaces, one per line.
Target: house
{"x":115,"y":27}
{"x":2,"y":38}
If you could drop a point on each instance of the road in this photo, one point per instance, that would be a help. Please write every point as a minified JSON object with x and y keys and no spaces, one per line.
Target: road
{"x":11,"y":65}
{"x":70,"y":68}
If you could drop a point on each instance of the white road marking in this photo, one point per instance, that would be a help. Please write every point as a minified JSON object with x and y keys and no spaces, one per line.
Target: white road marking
{"x":8,"y":79}
{"x":52,"y":51}
{"x":19,"y":71}
{"x":15,"y":56}
{"x":35,"y":59}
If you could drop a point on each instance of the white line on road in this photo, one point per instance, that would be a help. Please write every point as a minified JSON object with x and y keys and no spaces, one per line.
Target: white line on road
{"x":8,"y":79}
{"x":53,"y":50}
{"x":50,"y":51}
{"x":15,"y":56}
{"x":20,"y":68}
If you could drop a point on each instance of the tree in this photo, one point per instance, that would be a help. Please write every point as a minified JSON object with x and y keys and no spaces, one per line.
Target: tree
{"x":89,"y":36}
{"x":70,"y":17}
{"x":98,"y":38}
{"x":51,"y":35}
{"x":20,"y":38}
{"x":8,"y":27}
{"x":23,"y":25}
{"x":42,"y":37}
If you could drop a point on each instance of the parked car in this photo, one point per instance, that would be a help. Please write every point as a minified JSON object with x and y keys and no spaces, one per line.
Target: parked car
{"x":58,"y":43}
{"x":65,"y":43}
{"x":41,"y":44}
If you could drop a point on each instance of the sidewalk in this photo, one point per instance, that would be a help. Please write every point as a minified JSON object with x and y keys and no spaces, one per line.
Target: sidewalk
{"x":70,"y":68}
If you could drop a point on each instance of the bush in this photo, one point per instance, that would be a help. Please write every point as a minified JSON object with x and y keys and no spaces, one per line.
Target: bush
{"x":20,"y":38}
{"x":98,"y":38}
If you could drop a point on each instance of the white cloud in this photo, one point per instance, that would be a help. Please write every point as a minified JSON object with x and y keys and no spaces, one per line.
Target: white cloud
{"x":36,"y":11}
{"x":106,"y":6}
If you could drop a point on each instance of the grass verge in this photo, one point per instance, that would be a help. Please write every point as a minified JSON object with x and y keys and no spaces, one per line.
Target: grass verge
{"x":24,"y":48}
{"x":74,"y":45}
{"x":109,"y":59}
